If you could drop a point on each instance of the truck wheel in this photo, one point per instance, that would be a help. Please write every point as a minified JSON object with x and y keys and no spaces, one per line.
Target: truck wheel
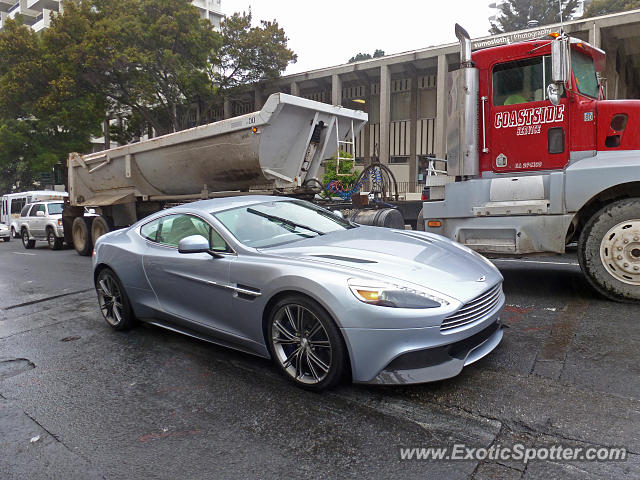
{"x":28,"y":244}
{"x":420,"y":221}
{"x":54,"y":242}
{"x":609,"y":250}
{"x":99,"y":227}
{"x":81,"y":233}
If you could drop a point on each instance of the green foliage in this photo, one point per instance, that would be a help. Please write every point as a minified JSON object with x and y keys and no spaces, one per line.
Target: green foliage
{"x":517,"y":13}
{"x":249,"y":54}
{"x":348,"y":174}
{"x":146,"y":62}
{"x":366,"y":56}
{"x":603,"y":7}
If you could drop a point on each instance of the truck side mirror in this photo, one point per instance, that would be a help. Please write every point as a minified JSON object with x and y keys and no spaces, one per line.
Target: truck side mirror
{"x":554,"y":93}
{"x":559,"y":69}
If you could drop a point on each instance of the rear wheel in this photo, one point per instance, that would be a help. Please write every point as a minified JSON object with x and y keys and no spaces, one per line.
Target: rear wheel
{"x":26,"y":243}
{"x":306,"y":344}
{"x":81,"y":234}
{"x":113,"y":300}
{"x":54,"y":242}
{"x":609,"y":250}
{"x":420,"y":221}
{"x":99,"y":227}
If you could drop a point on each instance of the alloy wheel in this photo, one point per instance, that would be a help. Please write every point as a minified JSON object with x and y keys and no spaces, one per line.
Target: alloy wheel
{"x":110,"y":300}
{"x":301,"y":344}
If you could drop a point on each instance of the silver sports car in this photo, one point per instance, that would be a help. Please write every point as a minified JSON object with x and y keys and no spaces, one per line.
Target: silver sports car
{"x":288,"y":280}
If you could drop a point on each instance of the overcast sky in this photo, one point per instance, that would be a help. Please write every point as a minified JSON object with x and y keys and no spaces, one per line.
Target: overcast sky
{"x":325,"y":33}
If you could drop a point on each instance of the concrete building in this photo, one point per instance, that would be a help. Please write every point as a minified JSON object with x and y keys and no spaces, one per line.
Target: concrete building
{"x":405,"y":94}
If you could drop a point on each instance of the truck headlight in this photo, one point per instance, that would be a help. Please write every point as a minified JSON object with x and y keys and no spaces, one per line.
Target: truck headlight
{"x":397,"y":296}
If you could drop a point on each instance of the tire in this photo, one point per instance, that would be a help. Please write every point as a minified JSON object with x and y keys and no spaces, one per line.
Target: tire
{"x":420,"y":221}
{"x":99,"y":227}
{"x":81,"y":234}
{"x":54,"y":242}
{"x":609,"y":250}
{"x":321,"y":361}
{"x":14,"y":234}
{"x":7,"y":239}
{"x":26,"y":243}
{"x":113,"y":301}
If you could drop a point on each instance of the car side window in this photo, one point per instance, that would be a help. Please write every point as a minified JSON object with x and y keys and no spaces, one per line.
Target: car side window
{"x":174,"y":228}
{"x":150,"y":230}
{"x":35,"y":209}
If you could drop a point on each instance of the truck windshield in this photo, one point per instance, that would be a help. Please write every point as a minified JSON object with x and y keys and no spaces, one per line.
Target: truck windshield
{"x":270,"y":224}
{"x":585,"y":73}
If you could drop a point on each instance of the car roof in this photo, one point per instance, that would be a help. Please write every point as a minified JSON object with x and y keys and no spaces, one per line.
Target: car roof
{"x":215,"y":205}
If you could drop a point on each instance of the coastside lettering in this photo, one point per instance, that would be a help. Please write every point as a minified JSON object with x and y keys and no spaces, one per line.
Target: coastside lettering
{"x":529,"y":117}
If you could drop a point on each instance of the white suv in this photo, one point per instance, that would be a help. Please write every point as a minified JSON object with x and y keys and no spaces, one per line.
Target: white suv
{"x":42,"y":221}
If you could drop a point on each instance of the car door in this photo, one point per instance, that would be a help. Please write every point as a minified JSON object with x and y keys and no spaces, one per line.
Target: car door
{"x":193,"y":288}
{"x":36,"y":220}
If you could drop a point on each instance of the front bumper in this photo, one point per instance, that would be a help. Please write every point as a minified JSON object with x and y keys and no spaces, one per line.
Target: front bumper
{"x":417,"y":355}
{"x":5,"y":233}
{"x":439,"y":363}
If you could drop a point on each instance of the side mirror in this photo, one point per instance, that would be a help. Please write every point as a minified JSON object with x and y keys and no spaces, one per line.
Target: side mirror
{"x":193,"y":244}
{"x":559,"y":59}
{"x":554,"y":93}
{"x":338,"y":213}
{"x":39,"y":213}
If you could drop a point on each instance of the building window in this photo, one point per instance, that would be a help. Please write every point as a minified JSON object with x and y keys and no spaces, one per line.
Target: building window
{"x":399,"y":160}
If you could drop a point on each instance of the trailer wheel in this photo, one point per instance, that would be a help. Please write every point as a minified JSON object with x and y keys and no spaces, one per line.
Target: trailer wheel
{"x":81,"y":233}
{"x":99,"y":227}
{"x":609,"y":250}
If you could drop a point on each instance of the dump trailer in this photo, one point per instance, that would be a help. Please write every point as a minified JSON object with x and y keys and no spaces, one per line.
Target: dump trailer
{"x":276,"y":150}
{"x":538,"y":159}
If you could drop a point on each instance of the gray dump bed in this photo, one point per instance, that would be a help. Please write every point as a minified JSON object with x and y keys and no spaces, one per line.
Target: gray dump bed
{"x":281,"y":146}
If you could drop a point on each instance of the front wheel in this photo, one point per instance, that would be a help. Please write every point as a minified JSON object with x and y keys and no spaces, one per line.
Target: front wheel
{"x":26,"y":243}
{"x":306,"y":344}
{"x":609,"y":250}
{"x":7,"y":239}
{"x":113,"y":301}
{"x":54,"y":242}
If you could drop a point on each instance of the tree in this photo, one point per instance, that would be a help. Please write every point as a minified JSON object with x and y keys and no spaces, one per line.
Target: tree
{"x":366,"y":56}
{"x":151,"y":60}
{"x":602,"y":7}
{"x":515,"y":14}
{"x":250,"y":54}
{"x":44,"y":114}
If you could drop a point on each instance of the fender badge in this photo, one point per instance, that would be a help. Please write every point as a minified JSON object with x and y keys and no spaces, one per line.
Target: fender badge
{"x":481,"y":279}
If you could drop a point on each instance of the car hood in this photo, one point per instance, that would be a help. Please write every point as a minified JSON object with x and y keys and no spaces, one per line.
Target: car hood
{"x":420,"y":258}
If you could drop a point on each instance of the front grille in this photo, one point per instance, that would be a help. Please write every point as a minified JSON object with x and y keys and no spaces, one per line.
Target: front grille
{"x":475,"y":310}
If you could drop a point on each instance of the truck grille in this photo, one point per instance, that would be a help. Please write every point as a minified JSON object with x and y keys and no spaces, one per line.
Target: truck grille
{"x":475,"y":310}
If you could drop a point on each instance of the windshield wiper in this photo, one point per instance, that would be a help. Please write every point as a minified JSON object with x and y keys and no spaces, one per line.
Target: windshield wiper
{"x":274,"y":218}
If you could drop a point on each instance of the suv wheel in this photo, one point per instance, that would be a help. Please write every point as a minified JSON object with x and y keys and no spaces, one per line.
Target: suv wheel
{"x":25,"y":240}
{"x":54,"y":242}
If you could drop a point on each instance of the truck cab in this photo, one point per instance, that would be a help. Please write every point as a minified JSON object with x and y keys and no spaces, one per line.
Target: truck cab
{"x":535,"y":155}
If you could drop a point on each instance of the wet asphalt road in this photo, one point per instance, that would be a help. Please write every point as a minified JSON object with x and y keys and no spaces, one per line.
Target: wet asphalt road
{"x":78,"y":400}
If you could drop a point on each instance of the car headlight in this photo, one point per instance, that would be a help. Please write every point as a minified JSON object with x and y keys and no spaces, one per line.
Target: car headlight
{"x":3,"y":226}
{"x":389,"y":295}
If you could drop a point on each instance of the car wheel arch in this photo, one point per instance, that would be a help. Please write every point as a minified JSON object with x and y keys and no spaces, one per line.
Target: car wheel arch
{"x":277,"y":296}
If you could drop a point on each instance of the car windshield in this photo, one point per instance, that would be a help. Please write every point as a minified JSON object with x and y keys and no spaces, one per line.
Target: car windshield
{"x":275,"y":223}
{"x":55,"y":208}
{"x":585,"y":74}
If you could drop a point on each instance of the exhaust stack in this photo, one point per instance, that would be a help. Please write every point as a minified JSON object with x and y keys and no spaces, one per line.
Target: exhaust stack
{"x":465,"y":47}
{"x":463,"y":157}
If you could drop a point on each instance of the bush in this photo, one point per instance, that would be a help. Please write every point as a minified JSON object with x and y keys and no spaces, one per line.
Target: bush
{"x":348,"y":174}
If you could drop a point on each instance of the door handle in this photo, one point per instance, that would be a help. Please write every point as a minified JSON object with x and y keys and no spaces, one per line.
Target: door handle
{"x":484,"y":128}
